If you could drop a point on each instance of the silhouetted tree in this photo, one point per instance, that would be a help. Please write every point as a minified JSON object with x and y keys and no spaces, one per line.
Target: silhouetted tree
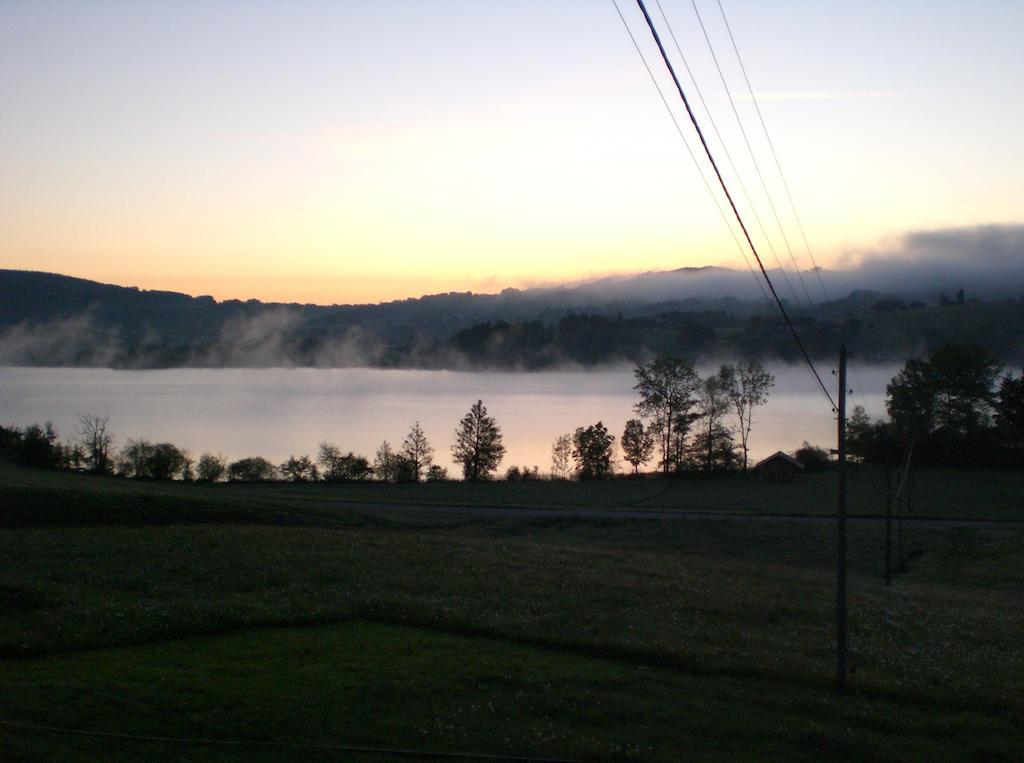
{"x":478,"y":446}
{"x":1009,"y":410}
{"x":680,"y":455}
{"x":437,"y":473}
{"x":38,"y":447}
{"x":812,"y":457}
{"x":964,"y":376}
{"x":713,"y":449}
{"x":338,"y":467}
{"x":254,"y":469}
{"x":384,"y":465}
{"x":561,"y":456}
{"x":859,"y":431}
{"x":952,"y":390}
{"x":713,"y":439}
{"x":416,"y":449}
{"x":165,"y":461}
{"x":667,"y":388}
{"x":869,"y":441}
{"x":10,"y":441}
{"x":186,"y":473}
{"x":300,"y":469}
{"x":592,"y":452}
{"x":96,"y":442}
{"x":637,"y":444}
{"x":210,"y":468}
{"x":131,"y":461}
{"x":403,"y":470}
{"x":72,"y":457}
{"x":747,"y":385}
{"x":522,"y":474}
{"x":140,"y":458}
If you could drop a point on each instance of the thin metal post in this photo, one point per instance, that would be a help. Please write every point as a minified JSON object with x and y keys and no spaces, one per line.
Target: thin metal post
{"x":888,"y":521}
{"x":841,"y":620}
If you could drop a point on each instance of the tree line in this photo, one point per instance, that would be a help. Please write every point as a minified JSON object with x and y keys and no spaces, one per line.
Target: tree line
{"x":686,"y":422}
{"x":682,"y":419}
{"x":478,"y":448}
{"x":953,"y":408}
{"x":950,"y":408}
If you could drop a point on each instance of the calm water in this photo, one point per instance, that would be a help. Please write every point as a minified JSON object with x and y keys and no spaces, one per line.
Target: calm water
{"x":278,"y":412}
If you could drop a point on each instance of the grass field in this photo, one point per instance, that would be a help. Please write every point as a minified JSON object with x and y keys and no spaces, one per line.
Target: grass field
{"x":296,"y":621}
{"x":39,"y":497}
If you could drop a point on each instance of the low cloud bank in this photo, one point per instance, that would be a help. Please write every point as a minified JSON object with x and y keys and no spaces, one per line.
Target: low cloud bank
{"x":985,"y":261}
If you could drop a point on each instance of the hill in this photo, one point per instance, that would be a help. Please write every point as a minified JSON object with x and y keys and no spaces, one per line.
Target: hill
{"x":51,"y":319}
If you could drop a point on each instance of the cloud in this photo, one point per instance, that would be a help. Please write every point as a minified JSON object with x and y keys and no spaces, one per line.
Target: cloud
{"x":984,"y":260}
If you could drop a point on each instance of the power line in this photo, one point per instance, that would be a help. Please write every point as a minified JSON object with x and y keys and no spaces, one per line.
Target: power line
{"x":775,"y":155}
{"x":785,"y":184}
{"x":725,"y":149}
{"x":750,"y":150}
{"x":700,"y":170}
{"x":728,"y":196}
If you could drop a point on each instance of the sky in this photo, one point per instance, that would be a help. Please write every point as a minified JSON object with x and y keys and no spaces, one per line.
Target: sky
{"x":337,"y":151}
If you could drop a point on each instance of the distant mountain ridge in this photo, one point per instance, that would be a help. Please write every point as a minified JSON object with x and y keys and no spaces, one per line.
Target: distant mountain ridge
{"x":53,"y":319}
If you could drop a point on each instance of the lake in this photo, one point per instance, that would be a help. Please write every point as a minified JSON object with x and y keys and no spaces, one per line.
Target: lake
{"x":278,"y":412}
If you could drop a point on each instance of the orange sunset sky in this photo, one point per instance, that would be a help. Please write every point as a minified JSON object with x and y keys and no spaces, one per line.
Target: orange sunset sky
{"x":355,"y":152}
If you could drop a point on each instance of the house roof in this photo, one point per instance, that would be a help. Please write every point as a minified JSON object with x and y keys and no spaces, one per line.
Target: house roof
{"x":779,"y":456}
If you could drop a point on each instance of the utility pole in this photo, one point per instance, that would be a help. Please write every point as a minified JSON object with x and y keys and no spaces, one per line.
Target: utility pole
{"x":841,"y":625}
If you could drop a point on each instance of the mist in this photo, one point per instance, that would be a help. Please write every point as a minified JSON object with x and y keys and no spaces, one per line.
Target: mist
{"x":51,"y":320}
{"x":63,"y":342}
{"x":987,"y":261}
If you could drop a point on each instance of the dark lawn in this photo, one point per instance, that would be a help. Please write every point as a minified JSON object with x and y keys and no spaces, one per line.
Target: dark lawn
{"x":293,"y":618}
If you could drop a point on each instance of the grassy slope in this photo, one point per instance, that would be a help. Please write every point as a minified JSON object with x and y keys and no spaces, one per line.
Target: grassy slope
{"x":521,"y":636}
{"x":370,"y":684}
{"x":37,"y":497}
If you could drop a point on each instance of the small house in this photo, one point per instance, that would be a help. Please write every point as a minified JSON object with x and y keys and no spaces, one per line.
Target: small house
{"x":778,"y":467}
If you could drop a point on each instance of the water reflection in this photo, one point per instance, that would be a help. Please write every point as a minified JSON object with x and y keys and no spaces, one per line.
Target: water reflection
{"x":278,"y":412}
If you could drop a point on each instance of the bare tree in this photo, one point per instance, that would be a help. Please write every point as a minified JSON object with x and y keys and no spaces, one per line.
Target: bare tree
{"x":417,"y":450}
{"x":748,"y":385}
{"x":561,"y":456}
{"x":96,"y":442}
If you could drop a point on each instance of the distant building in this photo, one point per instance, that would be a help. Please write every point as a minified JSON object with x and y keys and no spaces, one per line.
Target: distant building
{"x":778,"y":467}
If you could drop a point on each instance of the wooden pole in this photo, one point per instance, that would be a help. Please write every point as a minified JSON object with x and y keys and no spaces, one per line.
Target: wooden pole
{"x":841,"y":620}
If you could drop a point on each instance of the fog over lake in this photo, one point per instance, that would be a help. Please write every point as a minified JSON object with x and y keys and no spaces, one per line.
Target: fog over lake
{"x":278,"y":412}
